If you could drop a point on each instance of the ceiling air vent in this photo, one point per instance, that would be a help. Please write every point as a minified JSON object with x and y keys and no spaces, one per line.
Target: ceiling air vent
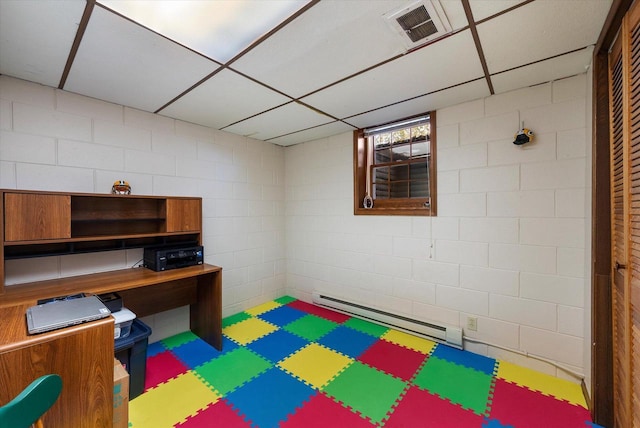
{"x":419,"y":22}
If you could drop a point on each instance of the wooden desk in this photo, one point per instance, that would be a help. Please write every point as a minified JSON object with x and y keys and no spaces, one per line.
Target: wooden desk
{"x":83,"y":355}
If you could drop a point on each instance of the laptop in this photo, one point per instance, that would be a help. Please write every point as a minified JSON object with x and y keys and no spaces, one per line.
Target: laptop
{"x":64,"y":313}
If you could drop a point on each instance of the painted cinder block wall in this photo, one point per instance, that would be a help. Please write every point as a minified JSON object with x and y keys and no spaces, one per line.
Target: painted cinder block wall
{"x":56,"y":140}
{"x":508,"y":242}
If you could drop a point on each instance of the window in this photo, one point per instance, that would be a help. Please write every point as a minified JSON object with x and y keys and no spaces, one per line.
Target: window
{"x":394,"y":168}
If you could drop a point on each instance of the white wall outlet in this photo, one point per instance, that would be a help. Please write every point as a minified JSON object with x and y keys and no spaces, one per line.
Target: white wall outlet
{"x":472,"y":323}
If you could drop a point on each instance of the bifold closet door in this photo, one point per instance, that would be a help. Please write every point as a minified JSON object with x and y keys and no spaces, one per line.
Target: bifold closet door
{"x":624,"y":101}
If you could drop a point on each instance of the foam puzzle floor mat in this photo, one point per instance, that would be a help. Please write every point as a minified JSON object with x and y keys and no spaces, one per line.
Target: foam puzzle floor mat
{"x":287,"y":363}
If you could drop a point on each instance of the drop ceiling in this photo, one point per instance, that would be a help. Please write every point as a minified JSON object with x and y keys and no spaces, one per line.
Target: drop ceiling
{"x":320,"y":68}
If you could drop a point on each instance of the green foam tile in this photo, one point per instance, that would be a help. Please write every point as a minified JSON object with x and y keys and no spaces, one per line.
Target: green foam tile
{"x":284,"y":300}
{"x":310,"y":327}
{"x":366,"y":390}
{"x":366,"y":327}
{"x":230,"y":370}
{"x":179,"y":339}
{"x":234,"y":319}
{"x":461,"y":385}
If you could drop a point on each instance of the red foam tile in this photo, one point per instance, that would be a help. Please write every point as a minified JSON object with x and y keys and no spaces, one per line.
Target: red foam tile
{"x":520,"y":407}
{"x":162,"y":367}
{"x":323,"y":412}
{"x":393,"y":359}
{"x":320,"y":312}
{"x":216,"y":415}
{"x":420,"y":408}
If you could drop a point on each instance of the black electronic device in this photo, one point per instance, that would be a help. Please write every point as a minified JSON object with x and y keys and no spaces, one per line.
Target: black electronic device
{"x":112,"y":301}
{"x":166,"y":258}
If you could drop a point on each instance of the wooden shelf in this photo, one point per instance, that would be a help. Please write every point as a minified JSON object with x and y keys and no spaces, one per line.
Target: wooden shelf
{"x":38,"y":224}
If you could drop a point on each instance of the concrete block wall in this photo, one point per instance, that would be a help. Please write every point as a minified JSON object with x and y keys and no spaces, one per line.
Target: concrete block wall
{"x":59,"y":141}
{"x":508,"y":245}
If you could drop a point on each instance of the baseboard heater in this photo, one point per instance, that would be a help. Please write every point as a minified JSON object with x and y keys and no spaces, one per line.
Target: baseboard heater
{"x":441,"y":333}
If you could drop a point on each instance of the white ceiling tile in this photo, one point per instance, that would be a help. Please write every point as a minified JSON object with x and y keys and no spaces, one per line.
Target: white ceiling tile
{"x":455,"y":14}
{"x":331,"y":40}
{"x":485,"y":8}
{"x":280,"y":121}
{"x":209,"y":27}
{"x":540,"y":30}
{"x":426,"y":70}
{"x":448,"y":97}
{"x":231,"y":93}
{"x":544,"y":71}
{"x":36,"y":37}
{"x":121,"y":62}
{"x":316,"y":133}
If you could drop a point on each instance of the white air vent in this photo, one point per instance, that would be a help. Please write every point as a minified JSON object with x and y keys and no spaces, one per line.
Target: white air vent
{"x":419,"y":22}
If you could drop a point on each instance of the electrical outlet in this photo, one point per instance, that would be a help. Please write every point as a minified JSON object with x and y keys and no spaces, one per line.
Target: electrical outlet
{"x":472,"y":323}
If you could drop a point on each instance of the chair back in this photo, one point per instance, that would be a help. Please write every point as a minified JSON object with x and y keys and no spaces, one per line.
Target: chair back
{"x":27,"y":408}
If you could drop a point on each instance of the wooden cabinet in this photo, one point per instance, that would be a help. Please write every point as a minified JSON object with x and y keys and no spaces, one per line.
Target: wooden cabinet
{"x":53,"y":223}
{"x":184,"y":215}
{"x":34,"y":217}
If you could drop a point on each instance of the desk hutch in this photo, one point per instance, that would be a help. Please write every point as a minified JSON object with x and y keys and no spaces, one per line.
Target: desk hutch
{"x":37,"y":224}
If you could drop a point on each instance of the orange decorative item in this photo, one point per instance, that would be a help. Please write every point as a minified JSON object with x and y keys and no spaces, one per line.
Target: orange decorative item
{"x":121,"y":187}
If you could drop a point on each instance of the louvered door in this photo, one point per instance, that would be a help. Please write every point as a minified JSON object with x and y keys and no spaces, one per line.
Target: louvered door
{"x":633,"y":298}
{"x":624,"y":90}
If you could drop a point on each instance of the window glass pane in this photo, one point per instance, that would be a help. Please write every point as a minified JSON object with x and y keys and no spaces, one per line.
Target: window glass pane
{"x":400,"y":190}
{"x":383,"y":156}
{"x":380,"y":174}
{"x":401,"y":135}
{"x":400,"y":172}
{"x":420,"y":133}
{"x":382,"y":140}
{"x":381,"y":191}
{"x":419,"y":171}
{"x":401,"y":153}
{"x":419,"y":149}
{"x":418,"y":189}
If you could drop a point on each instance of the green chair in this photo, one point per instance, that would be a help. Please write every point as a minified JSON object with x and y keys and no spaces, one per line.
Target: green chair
{"x":26,"y":409}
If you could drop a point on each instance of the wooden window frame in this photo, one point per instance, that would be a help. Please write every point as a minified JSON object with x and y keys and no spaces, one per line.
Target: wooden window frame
{"x":402,"y":207}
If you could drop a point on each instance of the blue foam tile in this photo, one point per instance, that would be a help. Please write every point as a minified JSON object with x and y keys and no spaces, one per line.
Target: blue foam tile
{"x":348,"y":341}
{"x":494,"y":423}
{"x":277,"y":345}
{"x":155,"y":348}
{"x":285,"y":395}
{"x":198,"y":352}
{"x":592,"y":425}
{"x":466,"y":359}
{"x":282,"y":316}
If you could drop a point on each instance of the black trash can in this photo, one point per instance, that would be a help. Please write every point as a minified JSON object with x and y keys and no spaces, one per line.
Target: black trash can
{"x":132,"y":353}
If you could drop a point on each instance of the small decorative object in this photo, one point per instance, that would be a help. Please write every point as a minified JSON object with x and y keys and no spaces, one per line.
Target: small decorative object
{"x":523,"y":136}
{"x":121,"y":187}
{"x":367,"y":202}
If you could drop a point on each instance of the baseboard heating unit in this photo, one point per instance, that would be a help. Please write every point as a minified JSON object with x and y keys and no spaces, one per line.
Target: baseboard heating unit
{"x":449,"y":335}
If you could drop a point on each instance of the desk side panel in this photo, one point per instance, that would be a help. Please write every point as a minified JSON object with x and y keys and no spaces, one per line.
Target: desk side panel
{"x":206,"y":313}
{"x":85,"y":363}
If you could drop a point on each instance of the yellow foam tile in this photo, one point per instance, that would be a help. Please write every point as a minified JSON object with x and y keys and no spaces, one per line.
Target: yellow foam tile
{"x":261,"y":309}
{"x":546,"y":384}
{"x":409,"y":341}
{"x":179,"y":398}
{"x":247,"y":331}
{"x":315,"y":365}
